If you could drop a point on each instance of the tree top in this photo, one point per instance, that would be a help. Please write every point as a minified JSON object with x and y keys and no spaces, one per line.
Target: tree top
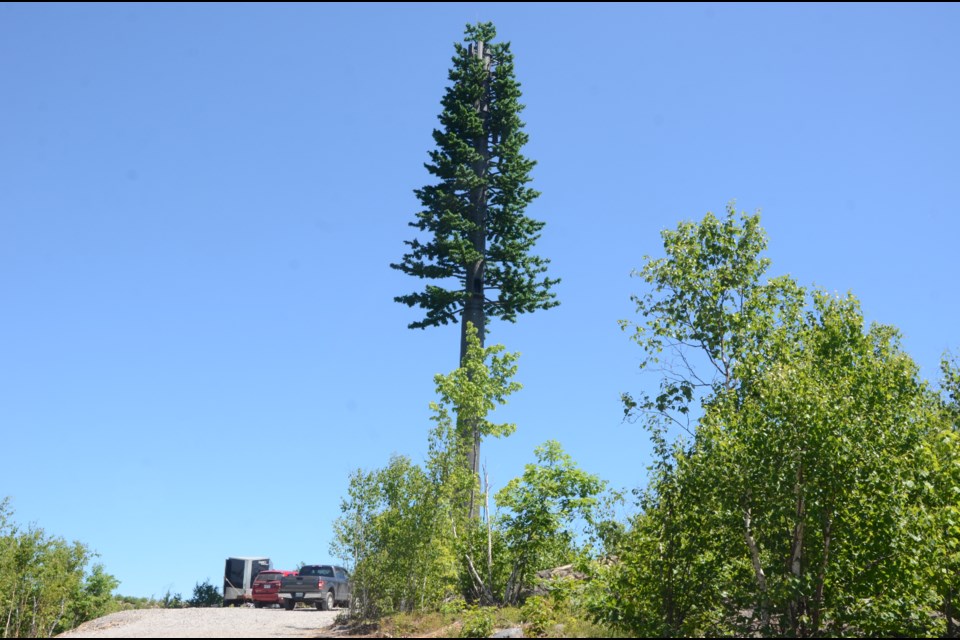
{"x":480,"y":32}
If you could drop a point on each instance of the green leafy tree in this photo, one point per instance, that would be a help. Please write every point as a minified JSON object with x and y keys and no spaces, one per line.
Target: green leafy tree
{"x":354,"y":534}
{"x":706,"y":308}
{"x":391,"y":532}
{"x":44,"y":585}
{"x":823,"y":447}
{"x":411,"y":544}
{"x":544,"y":506}
{"x":469,"y":394}
{"x":95,"y":597}
{"x":477,"y":253}
{"x":798,"y":504}
{"x":205,"y":595}
{"x":403,"y":528}
{"x":943,"y":490}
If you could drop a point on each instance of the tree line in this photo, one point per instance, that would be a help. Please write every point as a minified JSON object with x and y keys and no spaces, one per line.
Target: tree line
{"x":815,"y":486}
{"x":805,"y":478}
{"x":49,"y":586}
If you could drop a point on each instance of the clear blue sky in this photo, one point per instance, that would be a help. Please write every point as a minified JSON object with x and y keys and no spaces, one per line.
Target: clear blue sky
{"x":199,"y":204}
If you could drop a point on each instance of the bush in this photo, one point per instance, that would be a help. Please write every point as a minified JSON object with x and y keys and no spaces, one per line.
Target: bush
{"x":453,"y":606}
{"x":537,"y":612}
{"x":172,"y":601}
{"x":477,"y":623}
{"x":205,"y":595}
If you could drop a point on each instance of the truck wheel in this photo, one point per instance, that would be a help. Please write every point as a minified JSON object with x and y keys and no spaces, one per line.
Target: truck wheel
{"x":288,"y":604}
{"x":327,"y":603}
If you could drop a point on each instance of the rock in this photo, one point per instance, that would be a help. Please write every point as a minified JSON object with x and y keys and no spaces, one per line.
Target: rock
{"x":547,"y":576}
{"x":566,"y":571}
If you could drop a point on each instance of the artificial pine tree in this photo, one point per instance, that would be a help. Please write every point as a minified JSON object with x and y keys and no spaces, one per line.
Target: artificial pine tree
{"x":477,"y":252}
{"x":479,"y":236}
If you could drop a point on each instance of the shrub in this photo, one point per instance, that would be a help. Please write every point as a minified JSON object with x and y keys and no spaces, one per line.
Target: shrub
{"x":205,"y":595}
{"x":477,"y":623}
{"x":537,"y":612}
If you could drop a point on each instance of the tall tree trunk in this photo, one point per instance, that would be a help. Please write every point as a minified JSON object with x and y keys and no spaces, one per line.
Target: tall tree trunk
{"x":822,"y":576}
{"x":757,"y":569}
{"x":667,"y":569}
{"x":486,"y":509}
{"x":952,"y":630}
{"x":13,"y":599}
{"x":796,"y":555}
{"x":473,"y":311}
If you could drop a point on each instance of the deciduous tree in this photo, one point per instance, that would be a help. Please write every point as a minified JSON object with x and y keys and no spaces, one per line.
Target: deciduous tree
{"x":799,"y":501}
{"x":404,"y":528}
{"x":44,"y":585}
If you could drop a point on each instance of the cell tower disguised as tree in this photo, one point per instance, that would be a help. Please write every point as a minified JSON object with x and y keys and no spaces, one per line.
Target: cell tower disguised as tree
{"x":477,"y":253}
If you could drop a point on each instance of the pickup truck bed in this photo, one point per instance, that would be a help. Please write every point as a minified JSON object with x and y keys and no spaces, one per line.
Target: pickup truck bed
{"x":324,"y":585}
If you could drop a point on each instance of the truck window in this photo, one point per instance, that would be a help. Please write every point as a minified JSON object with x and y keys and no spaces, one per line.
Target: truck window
{"x":267,"y":576}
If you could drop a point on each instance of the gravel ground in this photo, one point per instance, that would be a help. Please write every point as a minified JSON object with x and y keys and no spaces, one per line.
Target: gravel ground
{"x":233,"y":622}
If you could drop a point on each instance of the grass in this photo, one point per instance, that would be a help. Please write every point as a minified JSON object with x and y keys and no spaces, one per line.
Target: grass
{"x":449,"y":625}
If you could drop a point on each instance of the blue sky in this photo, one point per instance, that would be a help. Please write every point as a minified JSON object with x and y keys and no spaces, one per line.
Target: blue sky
{"x":199,"y":204}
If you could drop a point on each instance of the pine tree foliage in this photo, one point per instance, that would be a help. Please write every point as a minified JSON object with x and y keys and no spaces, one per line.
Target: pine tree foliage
{"x":479,"y":242}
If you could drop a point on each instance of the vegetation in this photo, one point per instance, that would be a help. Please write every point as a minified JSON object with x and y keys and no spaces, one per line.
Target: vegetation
{"x":47,"y":585}
{"x":172,"y":600}
{"x":411,"y":544}
{"x":477,"y":623}
{"x":206,"y":595}
{"x":543,"y":507}
{"x":478,"y":234}
{"x":555,"y":621}
{"x":805,"y":481}
{"x":814,"y":491}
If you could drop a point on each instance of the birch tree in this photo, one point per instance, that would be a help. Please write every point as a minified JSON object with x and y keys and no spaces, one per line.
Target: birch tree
{"x":800,"y":499}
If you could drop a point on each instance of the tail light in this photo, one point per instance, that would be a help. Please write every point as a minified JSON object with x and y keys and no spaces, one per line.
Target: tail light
{"x":319,"y":584}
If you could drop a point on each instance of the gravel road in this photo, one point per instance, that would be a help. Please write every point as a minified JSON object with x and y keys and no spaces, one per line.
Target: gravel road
{"x":232,"y":622}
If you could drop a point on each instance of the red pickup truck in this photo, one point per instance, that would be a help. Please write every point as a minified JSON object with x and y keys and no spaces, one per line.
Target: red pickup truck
{"x":266,"y":588}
